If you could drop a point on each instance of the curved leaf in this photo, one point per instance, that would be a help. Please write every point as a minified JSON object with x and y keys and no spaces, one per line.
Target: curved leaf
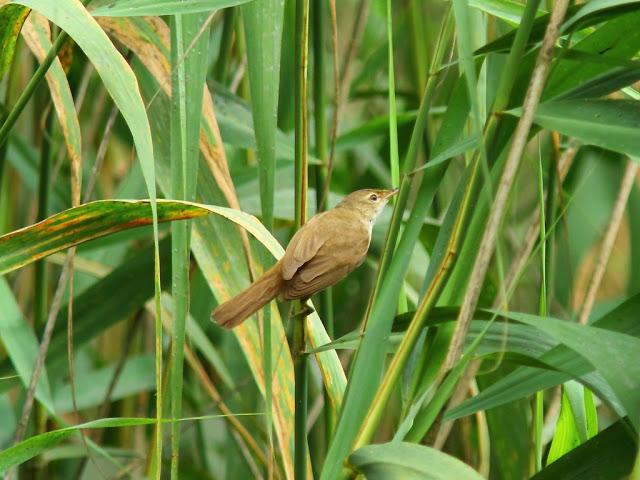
{"x":610,"y":124}
{"x":598,"y":11}
{"x":507,"y":10}
{"x":607,"y":456}
{"x":409,"y":461}
{"x":100,"y":218}
{"x":37,"y":35}
{"x":80,"y":224}
{"x":140,"y":8}
{"x":37,"y":444}
{"x":115,"y":72}
{"x":148,"y":38}
{"x":578,"y":17}
{"x":216,"y":248}
{"x":568,"y":363}
{"x":613,"y":354}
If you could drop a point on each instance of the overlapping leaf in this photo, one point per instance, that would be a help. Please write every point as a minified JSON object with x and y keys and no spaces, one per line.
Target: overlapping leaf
{"x":139,"y":8}
{"x":409,"y":461}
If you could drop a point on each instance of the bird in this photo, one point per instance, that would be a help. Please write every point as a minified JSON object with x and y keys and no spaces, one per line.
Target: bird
{"x":321,"y":253}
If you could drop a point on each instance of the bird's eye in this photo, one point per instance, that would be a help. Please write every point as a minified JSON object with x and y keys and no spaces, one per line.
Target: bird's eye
{"x":373,"y":197}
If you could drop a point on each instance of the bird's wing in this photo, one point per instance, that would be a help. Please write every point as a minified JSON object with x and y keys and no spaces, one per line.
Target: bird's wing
{"x":332,"y":262}
{"x":303,"y":247}
{"x":323,"y":276}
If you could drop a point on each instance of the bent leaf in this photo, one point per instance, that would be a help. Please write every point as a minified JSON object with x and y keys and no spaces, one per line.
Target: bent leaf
{"x":568,"y":363}
{"x":140,"y":8}
{"x":409,"y":461}
{"x":613,"y":354}
{"x":83,"y":223}
{"x":609,"y":455}
{"x":610,"y":124}
{"x":115,"y":72}
{"x":37,"y":444}
{"x":37,"y":35}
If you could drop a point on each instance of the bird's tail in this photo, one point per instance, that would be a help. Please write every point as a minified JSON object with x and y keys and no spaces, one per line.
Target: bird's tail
{"x":235,"y":311}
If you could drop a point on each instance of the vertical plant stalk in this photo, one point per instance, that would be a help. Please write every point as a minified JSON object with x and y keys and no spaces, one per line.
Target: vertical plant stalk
{"x":75,"y":168}
{"x":189,"y":45}
{"x":393,"y":121}
{"x":220,"y":69}
{"x":394,"y":156}
{"x":518,"y":144}
{"x":530,"y":238}
{"x":320,"y":124}
{"x":335,"y":118}
{"x":179,"y":249}
{"x":3,"y":152}
{"x":436,"y":285}
{"x":630,"y":173}
{"x":30,"y":88}
{"x":550,"y":205}
{"x":44,"y":180}
{"x":399,"y":360}
{"x":321,"y":175}
{"x":465,"y":56}
{"x":262,"y":23}
{"x":300,"y":367}
{"x":301,"y":120}
{"x":76,"y":185}
{"x":301,"y":145}
{"x":41,"y":290}
{"x":517,"y":267}
{"x":379,"y":315}
{"x":510,"y":70}
{"x":410,"y":160}
{"x":538,"y":400}
{"x":355,"y":36}
{"x":419,"y":51}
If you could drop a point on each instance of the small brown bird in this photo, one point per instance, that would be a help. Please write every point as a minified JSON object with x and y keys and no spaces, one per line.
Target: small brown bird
{"x":324,"y":251}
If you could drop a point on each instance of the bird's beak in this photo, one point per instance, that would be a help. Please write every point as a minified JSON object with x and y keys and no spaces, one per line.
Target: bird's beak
{"x":393,"y":192}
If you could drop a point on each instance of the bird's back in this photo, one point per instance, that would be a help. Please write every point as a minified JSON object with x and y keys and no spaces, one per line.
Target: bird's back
{"x":341,"y":246}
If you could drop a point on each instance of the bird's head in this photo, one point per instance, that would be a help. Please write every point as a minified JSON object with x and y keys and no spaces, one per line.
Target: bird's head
{"x":369,"y":202}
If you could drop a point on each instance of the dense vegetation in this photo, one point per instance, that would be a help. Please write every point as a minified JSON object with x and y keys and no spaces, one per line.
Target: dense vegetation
{"x":155,"y":155}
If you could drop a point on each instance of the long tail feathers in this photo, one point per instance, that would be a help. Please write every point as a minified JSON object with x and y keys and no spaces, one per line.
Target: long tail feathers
{"x":235,"y":311}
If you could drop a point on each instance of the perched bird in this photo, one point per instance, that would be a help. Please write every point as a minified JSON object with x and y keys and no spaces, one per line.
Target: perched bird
{"x":324,"y":251}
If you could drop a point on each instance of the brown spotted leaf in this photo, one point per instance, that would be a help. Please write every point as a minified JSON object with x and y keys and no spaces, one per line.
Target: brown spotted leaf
{"x":86,"y":222}
{"x":37,"y":35}
{"x":12,"y":18}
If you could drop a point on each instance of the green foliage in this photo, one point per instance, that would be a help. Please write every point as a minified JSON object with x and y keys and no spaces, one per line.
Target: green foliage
{"x":410,"y":461}
{"x":11,"y":19}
